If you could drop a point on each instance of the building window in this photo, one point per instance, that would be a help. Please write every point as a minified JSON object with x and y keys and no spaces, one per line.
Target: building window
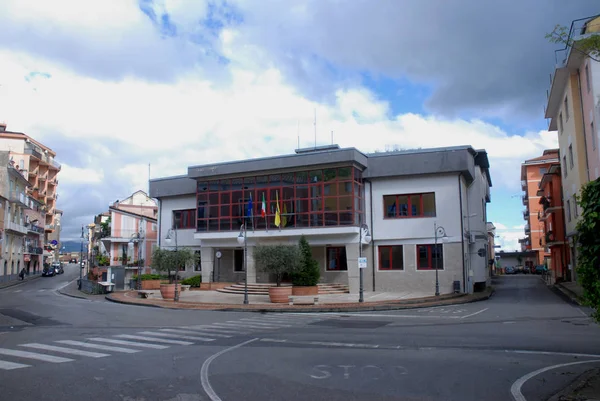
{"x":566,"y":108}
{"x":184,"y":218}
{"x":560,"y":123}
{"x":313,"y":198}
{"x":238,"y":260}
{"x":391,"y":257}
{"x":198,"y":261}
{"x":336,"y":258}
{"x":575,"y":211}
{"x":568,"y":210}
{"x":410,"y":205}
{"x":543,"y":170}
{"x":587,"y":77}
{"x":571,"y":161}
{"x":429,"y":257}
{"x":593,"y":135}
{"x":565,"y":166}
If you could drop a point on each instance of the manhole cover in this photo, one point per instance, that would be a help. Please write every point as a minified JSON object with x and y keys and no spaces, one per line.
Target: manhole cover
{"x":352,"y":324}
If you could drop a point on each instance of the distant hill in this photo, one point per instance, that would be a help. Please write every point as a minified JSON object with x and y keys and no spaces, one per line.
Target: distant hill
{"x":72,"y":246}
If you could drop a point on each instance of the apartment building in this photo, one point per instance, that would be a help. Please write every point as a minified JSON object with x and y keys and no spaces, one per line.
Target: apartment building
{"x":133,"y":230}
{"x":13,"y":202}
{"x":573,"y":109}
{"x":532,"y":171}
{"x":36,"y":162}
{"x":425,"y":210}
{"x":552,"y":217}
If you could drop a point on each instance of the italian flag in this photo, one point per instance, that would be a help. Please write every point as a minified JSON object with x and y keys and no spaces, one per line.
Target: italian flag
{"x":263,"y":207}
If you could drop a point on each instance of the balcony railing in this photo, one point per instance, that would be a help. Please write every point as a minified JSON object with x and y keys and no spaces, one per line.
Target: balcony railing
{"x":16,"y":227}
{"x":49,"y":226}
{"x":43,"y":177}
{"x":525,"y":199}
{"x":53,"y":181}
{"x":523,"y":185}
{"x":33,"y":250}
{"x":550,"y":237}
{"x":55,"y":164}
{"x":18,"y":197}
{"x":33,"y":172}
{"x":33,"y":152}
{"x":36,"y":229}
{"x":527,"y":228}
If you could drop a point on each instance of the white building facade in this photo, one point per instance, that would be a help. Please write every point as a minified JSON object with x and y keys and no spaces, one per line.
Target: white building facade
{"x":327,"y":194}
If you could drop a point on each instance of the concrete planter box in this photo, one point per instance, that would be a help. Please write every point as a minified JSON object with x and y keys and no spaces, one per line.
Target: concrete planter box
{"x":151,"y":284}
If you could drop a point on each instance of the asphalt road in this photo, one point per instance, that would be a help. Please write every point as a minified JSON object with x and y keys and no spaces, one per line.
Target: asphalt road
{"x":525,"y":343}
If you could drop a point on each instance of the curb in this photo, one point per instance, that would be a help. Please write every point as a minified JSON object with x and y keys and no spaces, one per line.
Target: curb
{"x":569,"y":393}
{"x":71,"y":295}
{"x":568,"y":294}
{"x":396,"y":306}
{"x":17,"y":282}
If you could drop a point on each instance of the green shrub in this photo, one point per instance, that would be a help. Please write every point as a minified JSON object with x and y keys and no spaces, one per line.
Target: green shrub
{"x":277,"y":259}
{"x":150,"y":277}
{"x":194,"y":281}
{"x":308,"y":274}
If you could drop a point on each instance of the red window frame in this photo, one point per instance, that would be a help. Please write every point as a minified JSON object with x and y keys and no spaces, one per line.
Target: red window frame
{"x":430,"y":259}
{"x":390,"y":250}
{"x":341,"y":263}
{"x":409,"y":206}
{"x":187,"y":218}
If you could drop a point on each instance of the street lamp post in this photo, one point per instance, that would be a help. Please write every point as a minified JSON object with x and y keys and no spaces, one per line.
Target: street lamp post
{"x":170,"y":234}
{"x":439,"y":231}
{"x":137,"y":238}
{"x":242,"y":239}
{"x":80,"y":258}
{"x":365,"y":235}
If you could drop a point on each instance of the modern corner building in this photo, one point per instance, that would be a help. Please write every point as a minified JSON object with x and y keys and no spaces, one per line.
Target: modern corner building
{"x":573,"y":110}
{"x":327,"y":194}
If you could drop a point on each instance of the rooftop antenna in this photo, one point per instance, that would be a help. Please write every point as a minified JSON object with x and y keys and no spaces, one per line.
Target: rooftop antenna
{"x":298,"y":133}
{"x":332,"y":137}
{"x":315,"y":127}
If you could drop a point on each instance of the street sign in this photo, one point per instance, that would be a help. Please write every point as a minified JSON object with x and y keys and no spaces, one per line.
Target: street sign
{"x":362,"y":263}
{"x":218,"y":255}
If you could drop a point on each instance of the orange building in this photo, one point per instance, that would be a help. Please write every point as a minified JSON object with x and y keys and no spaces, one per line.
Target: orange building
{"x":532,"y":171}
{"x":553,"y":221}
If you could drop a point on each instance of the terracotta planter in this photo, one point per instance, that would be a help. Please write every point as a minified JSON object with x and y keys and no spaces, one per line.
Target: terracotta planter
{"x":279,"y":295}
{"x":168,"y":290}
{"x":308,"y":290}
{"x":150,"y":284}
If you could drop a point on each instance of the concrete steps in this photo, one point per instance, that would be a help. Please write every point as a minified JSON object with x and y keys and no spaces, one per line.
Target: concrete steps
{"x":263,"y":289}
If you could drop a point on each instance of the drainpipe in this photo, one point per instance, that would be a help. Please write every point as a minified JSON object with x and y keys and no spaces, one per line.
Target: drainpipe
{"x":462,"y":231}
{"x":587,"y":163}
{"x":159,"y":220}
{"x":372,"y":231}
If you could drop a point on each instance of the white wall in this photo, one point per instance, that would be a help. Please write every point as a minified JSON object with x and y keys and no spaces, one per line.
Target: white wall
{"x":185,"y":237}
{"x":476,"y":223}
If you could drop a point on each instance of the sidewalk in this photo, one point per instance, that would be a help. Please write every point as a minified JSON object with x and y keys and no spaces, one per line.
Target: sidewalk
{"x":71,"y":290}
{"x":19,"y":281}
{"x":213,"y":300}
{"x":585,"y":388}
{"x":572,"y":290}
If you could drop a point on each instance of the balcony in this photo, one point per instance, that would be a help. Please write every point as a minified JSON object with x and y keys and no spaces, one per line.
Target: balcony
{"x":33,"y":172}
{"x":33,"y":152}
{"x":32,"y":228}
{"x":524,"y":185}
{"x":15,"y":227}
{"x":527,"y":228}
{"x":526,"y":214}
{"x":19,"y":198}
{"x":33,"y":250}
{"x":49,"y":227}
{"x":525,"y":199}
{"x":53,"y":181}
{"x":43,"y":177}
{"x":54,"y":164}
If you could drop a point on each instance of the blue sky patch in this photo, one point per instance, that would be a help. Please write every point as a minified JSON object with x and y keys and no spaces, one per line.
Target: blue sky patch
{"x":35,"y":74}
{"x":402,"y":95}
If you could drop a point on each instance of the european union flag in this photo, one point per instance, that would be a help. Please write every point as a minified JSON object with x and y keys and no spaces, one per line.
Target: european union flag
{"x":249,"y":211}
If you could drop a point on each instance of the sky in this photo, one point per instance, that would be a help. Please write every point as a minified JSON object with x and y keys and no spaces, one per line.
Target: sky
{"x":113,"y":86}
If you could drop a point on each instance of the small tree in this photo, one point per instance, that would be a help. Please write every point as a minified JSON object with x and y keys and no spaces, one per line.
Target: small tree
{"x":166,"y":260}
{"x":277,"y":260}
{"x":588,"y":263}
{"x":308,"y":273}
{"x":589,"y":46}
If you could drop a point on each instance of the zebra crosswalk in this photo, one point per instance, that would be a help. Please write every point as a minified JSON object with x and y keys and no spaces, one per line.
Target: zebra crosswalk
{"x":64,"y":351}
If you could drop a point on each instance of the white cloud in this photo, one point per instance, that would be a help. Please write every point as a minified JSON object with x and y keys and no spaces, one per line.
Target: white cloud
{"x":76,"y":175}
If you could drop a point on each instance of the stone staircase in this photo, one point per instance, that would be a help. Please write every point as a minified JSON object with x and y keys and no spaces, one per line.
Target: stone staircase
{"x":263,"y":289}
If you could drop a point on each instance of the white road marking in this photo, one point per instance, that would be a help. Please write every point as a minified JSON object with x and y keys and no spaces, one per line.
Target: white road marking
{"x":156,"y":340}
{"x":515,"y":389}
{"x":99,"y":346}
{"x":238,"y":326}
{"x":263,"y":323}
{"x":64,"y":350}
{"x":204,"y":370}
{"x":324,"y":343}
{"x":17,"y":290}
{"x":517,"y":351}
{"x":41,"y":290}
{"x":31,"y":355}
{"x":473,"y":314}
{"x":386,"y":315}
{"x":131,"y":343}
{"x":171,"y":335}
{"x":5,"y":365}
{"x":215,"y":329}
{"x":206,"y":333}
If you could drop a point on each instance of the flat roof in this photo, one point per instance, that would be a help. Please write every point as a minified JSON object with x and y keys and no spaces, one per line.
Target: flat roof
{"x":410,"y":162}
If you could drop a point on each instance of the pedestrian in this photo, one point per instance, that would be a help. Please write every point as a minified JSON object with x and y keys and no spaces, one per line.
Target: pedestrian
{"x":22,"y":274}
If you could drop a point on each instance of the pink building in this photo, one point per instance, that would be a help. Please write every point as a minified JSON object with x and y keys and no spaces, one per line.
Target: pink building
{"x":133,"y":230}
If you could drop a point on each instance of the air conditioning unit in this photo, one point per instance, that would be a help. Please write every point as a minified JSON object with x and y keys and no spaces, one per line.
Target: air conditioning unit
{"x":472,"y":238}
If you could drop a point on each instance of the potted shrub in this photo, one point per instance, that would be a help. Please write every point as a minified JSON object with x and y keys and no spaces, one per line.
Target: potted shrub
{"x":306,"y":278}
{"x":170,"y":260}
{"x":278,"y":260}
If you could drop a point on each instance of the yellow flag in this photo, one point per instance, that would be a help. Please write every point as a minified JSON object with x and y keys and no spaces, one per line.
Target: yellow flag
{"x":277,"y":213}
{"x":284,"y":217}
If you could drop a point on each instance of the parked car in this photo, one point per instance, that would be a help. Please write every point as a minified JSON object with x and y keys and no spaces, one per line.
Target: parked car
{"x":58,"y":269}
{"x":509,"y":270}
{"x":73,"y":260}
{"x":48,"y":271}
{"x":541,"y":269}
{"x":526,"y":270}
